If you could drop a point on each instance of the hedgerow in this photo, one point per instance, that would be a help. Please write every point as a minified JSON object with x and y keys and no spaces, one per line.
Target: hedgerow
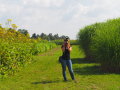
{"x":102,"y":43}
{"x":17,"y":50}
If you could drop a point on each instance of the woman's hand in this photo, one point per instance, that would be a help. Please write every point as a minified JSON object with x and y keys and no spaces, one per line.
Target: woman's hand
{"x":63,"y":47}
{"x":70,"y":48}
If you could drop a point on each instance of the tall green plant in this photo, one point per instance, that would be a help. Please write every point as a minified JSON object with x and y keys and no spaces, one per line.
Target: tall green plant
{"x":84,"y":37}
{"x":105,"y":46}
{"x":102,"y":42}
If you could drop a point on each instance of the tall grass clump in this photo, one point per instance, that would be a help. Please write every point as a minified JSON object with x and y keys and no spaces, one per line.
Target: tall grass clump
{"x":105,"y":46}
{"x":102,"y":42}
{"x":85,"y":37}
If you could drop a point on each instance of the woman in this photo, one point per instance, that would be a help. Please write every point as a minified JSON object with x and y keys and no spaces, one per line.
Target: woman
{"x":66,"y":61}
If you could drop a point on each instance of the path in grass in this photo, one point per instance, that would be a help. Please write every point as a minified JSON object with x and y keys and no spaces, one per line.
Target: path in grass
{"x":45,"y":74}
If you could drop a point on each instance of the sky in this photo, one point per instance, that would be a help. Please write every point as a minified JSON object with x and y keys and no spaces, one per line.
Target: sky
{"x":65,"y":17}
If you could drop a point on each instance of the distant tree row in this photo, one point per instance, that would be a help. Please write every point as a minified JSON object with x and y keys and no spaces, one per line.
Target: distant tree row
{"x":50,"y":36}
{"x":43,"y":36}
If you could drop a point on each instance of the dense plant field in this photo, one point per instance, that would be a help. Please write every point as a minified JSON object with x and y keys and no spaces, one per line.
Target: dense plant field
{"x":42,"y":47}
{"x":13,"y":56}
{"x":17,"y":49}
{"x":101,"y":41}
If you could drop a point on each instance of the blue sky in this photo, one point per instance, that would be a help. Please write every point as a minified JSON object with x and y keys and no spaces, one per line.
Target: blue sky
{"x":64,"y":17}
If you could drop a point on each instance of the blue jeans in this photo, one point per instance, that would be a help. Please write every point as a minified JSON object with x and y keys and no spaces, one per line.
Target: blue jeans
{"x":67,"y":63}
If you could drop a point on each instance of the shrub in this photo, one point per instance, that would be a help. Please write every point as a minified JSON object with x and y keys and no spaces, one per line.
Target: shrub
{"x":85,"y":37}
{"x":101,"y":41}
{"x":17,"y":49}
{"x":105,"y":46}
{"x":13,"y":56}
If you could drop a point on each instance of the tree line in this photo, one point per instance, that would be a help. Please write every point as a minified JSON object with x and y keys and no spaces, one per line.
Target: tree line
{"x":43,"y":36}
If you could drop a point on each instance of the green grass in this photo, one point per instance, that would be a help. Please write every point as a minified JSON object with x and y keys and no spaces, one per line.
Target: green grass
{"x":45,"y":74}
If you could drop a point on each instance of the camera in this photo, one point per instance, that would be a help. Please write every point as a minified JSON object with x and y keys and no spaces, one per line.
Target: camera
{"x":66,"y":45}
{"x":66,"y":40}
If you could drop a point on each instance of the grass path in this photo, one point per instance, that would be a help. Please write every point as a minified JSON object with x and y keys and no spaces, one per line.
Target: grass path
{"x":45,"y":74}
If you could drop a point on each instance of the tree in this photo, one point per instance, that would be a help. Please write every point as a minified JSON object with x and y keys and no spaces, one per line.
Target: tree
{"x":43,"y":36}
{"x":23,"y":31}
{"x":51,"y":37}
{"x":62,"y":37}
{"x":56,"y":36}
{"x":38,"y":36}
{"x":34,"y":36}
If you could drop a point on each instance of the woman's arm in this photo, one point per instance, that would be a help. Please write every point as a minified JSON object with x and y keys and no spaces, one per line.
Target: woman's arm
{"x":70,"y":48}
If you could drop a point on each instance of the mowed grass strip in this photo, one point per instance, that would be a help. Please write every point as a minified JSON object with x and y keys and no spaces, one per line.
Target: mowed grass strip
{"x":46,"y":74}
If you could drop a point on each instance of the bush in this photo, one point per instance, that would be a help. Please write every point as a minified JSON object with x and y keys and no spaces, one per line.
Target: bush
{"x":17,"y":49}
{"x":101,"y":41}
{"x":105,"y":46}
{"x":13,"y":56}
{"x":85,"y":37}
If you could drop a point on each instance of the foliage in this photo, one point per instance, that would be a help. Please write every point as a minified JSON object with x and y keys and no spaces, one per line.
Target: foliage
{"x":103,"y":44}
{"x":13,"y":56}
{"x":17,"y":48}
{"x":48,"y":37}
{"x":46,"y":74}
{"x":25,"y":32}
{"x":85,"y":37}
{"x":42,"y":47}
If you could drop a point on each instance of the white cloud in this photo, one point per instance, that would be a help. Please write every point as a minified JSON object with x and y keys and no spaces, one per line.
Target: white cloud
{"x":58,"y":16}
{"x":80,"y":10}
{"x":44,"y":3}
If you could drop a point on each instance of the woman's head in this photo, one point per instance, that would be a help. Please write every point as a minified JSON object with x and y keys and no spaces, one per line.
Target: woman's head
{"x":67,"y":42}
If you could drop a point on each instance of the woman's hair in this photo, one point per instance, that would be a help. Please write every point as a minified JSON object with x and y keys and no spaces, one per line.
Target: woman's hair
{"x":66,"y":39}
